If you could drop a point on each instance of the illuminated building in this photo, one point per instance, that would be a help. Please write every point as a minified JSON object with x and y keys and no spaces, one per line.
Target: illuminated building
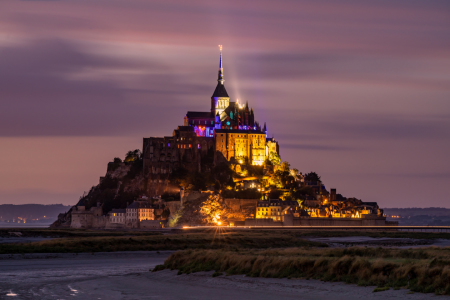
{"x":228,"y":130}
{"x":238,"y":137}
{"x":273,"y":209}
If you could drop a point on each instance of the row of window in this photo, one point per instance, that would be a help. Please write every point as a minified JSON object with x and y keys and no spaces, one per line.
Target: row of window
{"x":266,"y":209}
{"x":199,"y":122}
{"x":268,"y":214}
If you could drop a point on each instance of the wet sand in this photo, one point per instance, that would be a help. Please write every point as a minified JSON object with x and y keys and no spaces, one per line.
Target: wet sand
{"x":365,"y":241}
{"x":125,"y":275}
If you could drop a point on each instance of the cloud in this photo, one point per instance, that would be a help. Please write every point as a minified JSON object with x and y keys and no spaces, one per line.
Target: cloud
{"x":54,"y":87}
{"x":317,"y":147}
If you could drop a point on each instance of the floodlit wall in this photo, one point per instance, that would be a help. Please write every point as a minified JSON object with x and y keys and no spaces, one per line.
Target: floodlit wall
{"x":338,"y":222}
{"x":238,"y":204}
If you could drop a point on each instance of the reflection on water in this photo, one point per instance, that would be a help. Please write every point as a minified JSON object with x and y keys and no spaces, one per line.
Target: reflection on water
{"x":74,"y":291}
{"x":11,"y":294}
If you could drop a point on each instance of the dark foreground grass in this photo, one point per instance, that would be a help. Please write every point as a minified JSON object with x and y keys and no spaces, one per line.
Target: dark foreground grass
{"x":216,"y":239}
{"x":420,"y":270}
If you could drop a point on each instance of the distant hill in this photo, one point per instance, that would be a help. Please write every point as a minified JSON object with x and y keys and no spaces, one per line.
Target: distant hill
{"x":31,"y":213}
{"x":433,"y":216}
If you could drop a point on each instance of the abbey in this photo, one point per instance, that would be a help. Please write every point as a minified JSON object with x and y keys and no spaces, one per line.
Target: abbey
{"x":228,"y":132}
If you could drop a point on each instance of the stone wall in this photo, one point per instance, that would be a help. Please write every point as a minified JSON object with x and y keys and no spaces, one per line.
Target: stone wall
{"x":153,"y":224}
{"x":338,"y":222}
{"x":237,"y":204}
{"x":306,"y":221}
{"x":262,"y":222}
{"x":92,"y":218}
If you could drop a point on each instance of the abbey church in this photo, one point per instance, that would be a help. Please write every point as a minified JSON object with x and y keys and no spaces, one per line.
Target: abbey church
{"x":228,"y":132}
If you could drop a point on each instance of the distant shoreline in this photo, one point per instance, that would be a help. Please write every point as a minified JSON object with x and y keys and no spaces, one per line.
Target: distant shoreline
{"x":26,"y":225}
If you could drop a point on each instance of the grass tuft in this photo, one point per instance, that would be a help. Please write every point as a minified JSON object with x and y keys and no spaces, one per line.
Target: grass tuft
{"x":215,"y":274}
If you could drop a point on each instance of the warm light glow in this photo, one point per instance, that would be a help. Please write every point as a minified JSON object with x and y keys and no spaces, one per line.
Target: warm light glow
{"x":220,"y":47}
{"x":219,"y":223}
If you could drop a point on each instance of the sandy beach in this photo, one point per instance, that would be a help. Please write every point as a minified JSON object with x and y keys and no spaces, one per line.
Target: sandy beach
{"x":125,"y":275}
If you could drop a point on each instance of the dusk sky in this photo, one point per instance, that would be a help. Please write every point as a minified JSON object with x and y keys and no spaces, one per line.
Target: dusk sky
{"x":358,"y":91}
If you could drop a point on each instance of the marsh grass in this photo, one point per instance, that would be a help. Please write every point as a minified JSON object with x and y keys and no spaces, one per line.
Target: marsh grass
{"x":204,"y":240}
{"x":420,"y":270}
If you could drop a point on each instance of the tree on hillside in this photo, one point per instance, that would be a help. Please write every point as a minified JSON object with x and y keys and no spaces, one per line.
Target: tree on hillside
{"x":274,"y":158}
{"x":282,"y":178}
{"x":312,"y":176}
{"x":133,"y":155}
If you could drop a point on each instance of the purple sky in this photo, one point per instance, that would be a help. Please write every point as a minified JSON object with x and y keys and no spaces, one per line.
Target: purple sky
{"x":358,"y":91}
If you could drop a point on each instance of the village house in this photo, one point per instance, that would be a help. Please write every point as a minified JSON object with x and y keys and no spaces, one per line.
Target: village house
{"x":272,"y":209}
{"x":139,"y":211}
{"x":117,"y":216}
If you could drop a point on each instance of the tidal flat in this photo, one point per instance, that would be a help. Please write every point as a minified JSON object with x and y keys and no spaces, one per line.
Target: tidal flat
{"x":225,"y":264}
{"x":126,"y":275}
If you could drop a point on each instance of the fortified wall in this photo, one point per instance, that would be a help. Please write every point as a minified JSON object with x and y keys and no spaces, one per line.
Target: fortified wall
{"x":92,"y":218}
{"x":238,"y":204}
{"x":289,"y":220}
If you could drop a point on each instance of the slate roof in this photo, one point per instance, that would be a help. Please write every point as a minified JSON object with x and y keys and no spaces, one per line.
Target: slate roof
{"x":140,"y":204}
{"x":118,"y":211}
{"x":199,"y":114}
{"x":185,"y":128}
{"x":220,"y":91}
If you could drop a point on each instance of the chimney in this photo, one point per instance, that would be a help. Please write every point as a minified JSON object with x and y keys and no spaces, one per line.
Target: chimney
{"x":332,"y":194}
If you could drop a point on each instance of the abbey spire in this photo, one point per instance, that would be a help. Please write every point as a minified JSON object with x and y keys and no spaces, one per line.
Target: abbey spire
{"x":220,"y":99}
{"x":220,"y":79}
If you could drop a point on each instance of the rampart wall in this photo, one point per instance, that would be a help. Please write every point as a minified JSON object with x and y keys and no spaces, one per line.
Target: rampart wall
{"x":306,"y":221}
{"x":238,"y":204}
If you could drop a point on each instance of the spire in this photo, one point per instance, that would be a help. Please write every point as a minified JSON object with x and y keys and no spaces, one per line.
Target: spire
{"x":220,"y":79}
{"x":220,"y":90}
